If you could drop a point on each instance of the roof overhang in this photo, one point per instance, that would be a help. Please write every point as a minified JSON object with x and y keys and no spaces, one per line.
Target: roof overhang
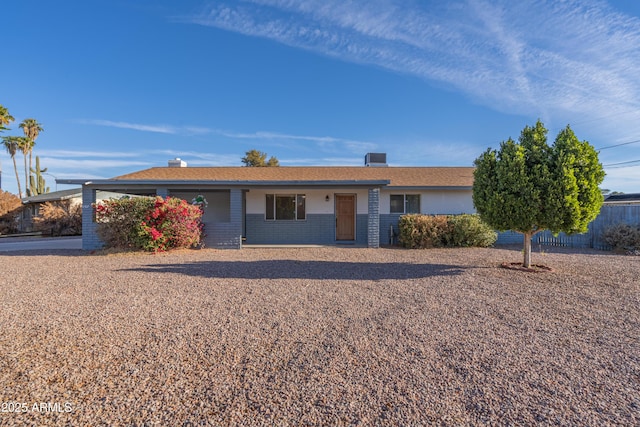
{"x":116,"y":183}
{"x":428,"y":187}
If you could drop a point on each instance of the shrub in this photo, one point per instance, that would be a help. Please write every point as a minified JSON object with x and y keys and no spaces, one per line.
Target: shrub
{"x":59,"y":218}
{"x":153,"y":224}
{"x":622,"y":237}
{"x":428,"y":231}
{"x":172,"y":223}
{"x":119,"y":221}
{"x":469,"y":230}
{"x":423,"y":231}
{"x":10,"y":210}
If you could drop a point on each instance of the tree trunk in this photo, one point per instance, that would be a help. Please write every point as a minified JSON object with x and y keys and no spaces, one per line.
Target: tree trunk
{"x":26,"y":177}
{"x":526,"y":263}
{"x":15,"y":168}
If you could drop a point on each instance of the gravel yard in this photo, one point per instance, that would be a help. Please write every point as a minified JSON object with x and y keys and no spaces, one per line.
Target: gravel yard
{"x":319,"y":336}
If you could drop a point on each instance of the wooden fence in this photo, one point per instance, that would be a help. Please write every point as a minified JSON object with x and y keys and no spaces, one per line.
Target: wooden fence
{"x":609,"y":215}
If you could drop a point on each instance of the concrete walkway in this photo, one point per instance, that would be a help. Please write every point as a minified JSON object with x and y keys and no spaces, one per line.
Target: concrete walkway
{"x":11,"y":244}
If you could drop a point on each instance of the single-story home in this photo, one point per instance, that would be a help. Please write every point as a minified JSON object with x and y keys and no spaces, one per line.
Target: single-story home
{"x":355,"y":205}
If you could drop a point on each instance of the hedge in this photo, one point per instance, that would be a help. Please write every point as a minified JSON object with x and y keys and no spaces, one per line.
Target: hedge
{"x":436,"y":231}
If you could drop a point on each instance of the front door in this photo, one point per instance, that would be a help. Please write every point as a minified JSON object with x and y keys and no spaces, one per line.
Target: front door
{"x":345,"y":216}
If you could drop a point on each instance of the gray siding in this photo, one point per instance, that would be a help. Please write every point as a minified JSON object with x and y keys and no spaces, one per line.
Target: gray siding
{"x":316,"y":229}
{"x":386,"y":221}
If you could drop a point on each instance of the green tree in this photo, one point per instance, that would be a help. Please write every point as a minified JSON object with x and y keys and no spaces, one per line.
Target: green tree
{"x":530,"y":186}
{"x":31,"y":129}
{"x":257,"y":158}
{"x":11,"y":144}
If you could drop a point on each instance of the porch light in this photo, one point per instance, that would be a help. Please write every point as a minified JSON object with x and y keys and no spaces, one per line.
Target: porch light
{"x":326,"y":198}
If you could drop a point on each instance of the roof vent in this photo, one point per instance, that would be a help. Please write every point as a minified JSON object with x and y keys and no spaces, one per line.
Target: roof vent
{"x":375,"y":159}
{"x":177,"y":163}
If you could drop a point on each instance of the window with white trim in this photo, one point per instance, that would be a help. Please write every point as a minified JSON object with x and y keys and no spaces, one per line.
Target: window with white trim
{"x":405,"y":203}
{"x":285,"y":207}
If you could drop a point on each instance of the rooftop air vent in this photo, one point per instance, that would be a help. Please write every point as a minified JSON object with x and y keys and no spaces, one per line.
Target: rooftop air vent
{"x":375,"y":159}
{"x":177,"y":163}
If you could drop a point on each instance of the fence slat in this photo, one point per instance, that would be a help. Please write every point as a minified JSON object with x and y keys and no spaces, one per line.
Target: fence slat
{"x":609,"y":215}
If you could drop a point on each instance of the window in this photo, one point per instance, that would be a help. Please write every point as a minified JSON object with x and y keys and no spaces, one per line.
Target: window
{"x":285,"y":207}
{"x":405,"y":203}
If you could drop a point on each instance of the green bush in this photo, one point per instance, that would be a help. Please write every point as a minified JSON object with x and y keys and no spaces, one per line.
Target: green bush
{"x":622,"y":237}
{"x":469,"y":230}
{"x":152,"y":224}
{"x":120,"y":221}
{"x":434,"y":231}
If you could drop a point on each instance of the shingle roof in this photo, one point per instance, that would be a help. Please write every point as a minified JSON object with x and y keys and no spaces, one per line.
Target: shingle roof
{"x":54,"y":196}
{"x":398,"y":176}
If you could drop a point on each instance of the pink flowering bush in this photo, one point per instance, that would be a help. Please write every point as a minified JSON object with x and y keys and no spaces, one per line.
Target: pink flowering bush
{"x":172,"y":223}
{"x":152,"y":224}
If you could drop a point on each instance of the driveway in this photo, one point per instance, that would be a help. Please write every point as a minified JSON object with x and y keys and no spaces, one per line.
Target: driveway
{"x":11,"y":244}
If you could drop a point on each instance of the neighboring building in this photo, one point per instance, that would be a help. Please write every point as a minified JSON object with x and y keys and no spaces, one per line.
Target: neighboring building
{"x":622,"y":199}
{"x":295,"y":205}
{"x":33,"y":204}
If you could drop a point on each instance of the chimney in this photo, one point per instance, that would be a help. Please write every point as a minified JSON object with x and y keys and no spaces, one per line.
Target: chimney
{"x":177,"y":163}
{"x":375,"y":160}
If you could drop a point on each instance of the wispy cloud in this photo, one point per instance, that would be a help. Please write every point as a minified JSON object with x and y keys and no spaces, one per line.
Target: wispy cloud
{"x":323,"y":141}
{"x":576,"y":59}
{"x":72,"y":153}
{"x":133,"y":126}
{"x":326,"y":142}
{"x":89,"y":164}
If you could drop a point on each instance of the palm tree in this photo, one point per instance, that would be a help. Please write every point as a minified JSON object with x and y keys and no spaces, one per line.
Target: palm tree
{"x":31,"y":129}
{"x":5,"y":118}
{"x":26,"y":146}
{"x":11,"y":145}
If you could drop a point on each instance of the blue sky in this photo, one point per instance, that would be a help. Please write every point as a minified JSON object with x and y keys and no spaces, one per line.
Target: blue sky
{"x":121,"y":86}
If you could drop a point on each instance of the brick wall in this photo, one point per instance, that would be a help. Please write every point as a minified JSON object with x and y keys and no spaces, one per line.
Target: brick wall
{"x":317,"y":229}
{"x":90,"y":239}
{"x":373,"y":220}
{"x":227,"y":235}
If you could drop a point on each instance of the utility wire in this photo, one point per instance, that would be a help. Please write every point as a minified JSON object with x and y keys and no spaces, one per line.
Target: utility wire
{"x":618,"y":165}
{"x":618,"y":145}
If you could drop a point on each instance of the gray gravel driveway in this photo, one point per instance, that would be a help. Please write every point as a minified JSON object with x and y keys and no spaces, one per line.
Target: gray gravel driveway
{"x":319,"y":336}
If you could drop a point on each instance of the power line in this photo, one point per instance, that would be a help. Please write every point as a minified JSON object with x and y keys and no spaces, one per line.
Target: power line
{"x":618,"y":145}
{"x":618,"y":165}
{"x":623,"y":163}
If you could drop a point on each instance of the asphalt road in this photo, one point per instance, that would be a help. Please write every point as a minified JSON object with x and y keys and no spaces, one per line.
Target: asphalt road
{"x":11,"y":244}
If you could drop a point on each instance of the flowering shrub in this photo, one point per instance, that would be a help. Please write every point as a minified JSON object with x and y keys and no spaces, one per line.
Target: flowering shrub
{"x":172,"y":223}
{"x":153,"y":224}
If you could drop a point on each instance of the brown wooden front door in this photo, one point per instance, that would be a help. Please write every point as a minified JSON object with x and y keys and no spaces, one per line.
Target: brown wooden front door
{"x":345,"y":217}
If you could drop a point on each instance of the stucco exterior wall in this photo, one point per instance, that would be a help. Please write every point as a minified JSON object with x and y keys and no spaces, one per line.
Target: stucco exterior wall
{"x":315,"y":199}
{"x":433,"y":202}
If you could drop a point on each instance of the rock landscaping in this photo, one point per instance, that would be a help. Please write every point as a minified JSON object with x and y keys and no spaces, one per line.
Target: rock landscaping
{"x":319,"y":336}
